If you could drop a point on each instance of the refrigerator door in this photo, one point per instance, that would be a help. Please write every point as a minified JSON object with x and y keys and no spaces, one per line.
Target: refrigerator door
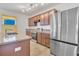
{"x":68,"y":25}
{"x":63,"y":49}
{"x":54,"y":24}
{"x":55,"y":47}
{"x":71,"y":50}
{"x":72,"y":23}
{"x":52,"y":47}
{"x":63,"y":26}
{"x":67,"y":50}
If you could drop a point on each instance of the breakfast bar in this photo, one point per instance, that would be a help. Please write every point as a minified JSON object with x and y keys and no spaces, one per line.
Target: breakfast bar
{"x":19,"y":47}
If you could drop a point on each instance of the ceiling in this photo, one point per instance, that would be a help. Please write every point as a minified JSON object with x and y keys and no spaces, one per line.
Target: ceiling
{"x":26,"y":8}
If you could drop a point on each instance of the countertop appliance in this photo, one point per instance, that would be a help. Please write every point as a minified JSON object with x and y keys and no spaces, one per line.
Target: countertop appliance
{"x":64,"y":34}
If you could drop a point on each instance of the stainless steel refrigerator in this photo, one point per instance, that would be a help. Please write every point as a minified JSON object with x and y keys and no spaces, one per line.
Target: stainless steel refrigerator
{"x":64,"y":32}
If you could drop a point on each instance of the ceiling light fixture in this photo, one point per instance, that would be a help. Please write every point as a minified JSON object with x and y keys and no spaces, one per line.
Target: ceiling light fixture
{"x":23,"y":10}
{"x":33,"y":6}
{"x":21,"y":6}
{"x":36,"y":5}
{"x":29,"y":8}
{"x":42,"y":3}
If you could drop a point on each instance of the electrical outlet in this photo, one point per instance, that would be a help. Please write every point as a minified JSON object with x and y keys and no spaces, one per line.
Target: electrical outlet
{"x":17,"y":49}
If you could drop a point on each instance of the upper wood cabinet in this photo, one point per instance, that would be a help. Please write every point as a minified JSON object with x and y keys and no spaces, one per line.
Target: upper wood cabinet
{"x":46,"y":18}
{"x":34,"y":19}
{"x":31,"y":21}
{"x":42,"y":18}
{"x":37,"y":18}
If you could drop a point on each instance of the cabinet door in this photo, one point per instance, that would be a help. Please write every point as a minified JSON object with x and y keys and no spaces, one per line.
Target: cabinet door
{"x":42,"y":19}
{"x":43,"y":38}
{"x":39,"y":37}
{"x":29,"y":22}
{"x":38,"y":18}
{"x":46,"y":19}
{"x":32,"y":21}
{"x":47,"y":39}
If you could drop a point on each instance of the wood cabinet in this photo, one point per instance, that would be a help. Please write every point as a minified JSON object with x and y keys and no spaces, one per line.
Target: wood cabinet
{"x":46,"y":18}
{"x":47,"y":40}
{"x":31,"y":21}
{"x":39,"y":40}
{"x":44,"y":39}
{"x":10,"y":48}
{"x":43,"y":18}
{"x":37,"y":18}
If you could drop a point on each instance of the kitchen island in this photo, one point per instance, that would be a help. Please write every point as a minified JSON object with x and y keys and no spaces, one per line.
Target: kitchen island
{"x":19,"y":47}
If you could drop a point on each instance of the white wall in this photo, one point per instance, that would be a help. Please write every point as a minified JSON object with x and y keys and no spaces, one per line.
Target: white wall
{"x":20,"y":21}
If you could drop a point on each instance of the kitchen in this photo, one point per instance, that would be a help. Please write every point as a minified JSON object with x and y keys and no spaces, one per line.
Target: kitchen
{"x":39,"y":29}
{"x":61,"y":32}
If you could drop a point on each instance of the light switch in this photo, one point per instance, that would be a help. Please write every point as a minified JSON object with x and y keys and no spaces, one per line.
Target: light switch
{"x":17,"y":49}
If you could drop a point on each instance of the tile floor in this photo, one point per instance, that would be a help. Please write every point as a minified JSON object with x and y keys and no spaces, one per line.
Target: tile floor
{"x":38,"y":50}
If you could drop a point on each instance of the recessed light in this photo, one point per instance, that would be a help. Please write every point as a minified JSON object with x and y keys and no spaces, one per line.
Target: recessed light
{"x":42,"y":3}
{"x":29,"y":8}
{"x":21,"y":6}
{"x":36,"y":5}
{"x":23,"y":10}
{"x":33,"y":6}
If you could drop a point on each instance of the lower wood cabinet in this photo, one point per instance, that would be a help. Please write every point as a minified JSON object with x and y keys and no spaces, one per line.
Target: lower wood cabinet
{"x":20,"y":48}
{"x":44,"y":39}
{"x":39,"y":38}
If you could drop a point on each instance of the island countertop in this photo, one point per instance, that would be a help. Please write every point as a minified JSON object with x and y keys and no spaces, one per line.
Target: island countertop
{"x":19,"y":37}
{"x":18,"y":47}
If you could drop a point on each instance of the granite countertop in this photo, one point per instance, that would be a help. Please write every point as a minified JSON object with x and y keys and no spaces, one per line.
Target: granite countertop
{"x":19,"y":37}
